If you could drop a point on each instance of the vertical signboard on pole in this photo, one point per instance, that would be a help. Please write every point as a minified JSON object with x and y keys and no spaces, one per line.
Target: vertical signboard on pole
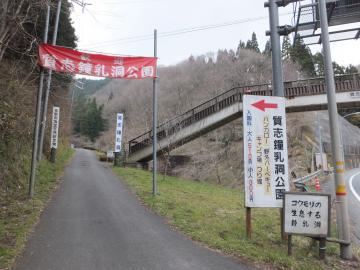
{"x":265,"y":151}
{"x":118,"y":135}
{"x":55,"y":127}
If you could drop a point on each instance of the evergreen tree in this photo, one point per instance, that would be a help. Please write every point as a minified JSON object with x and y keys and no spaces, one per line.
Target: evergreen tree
{"x":240,"y":47}
{"x":29,"y":27}
{"x":338,"y":69}
{"x":248,"y":45}
{"x":351,"y":69}
{"x":222,"y":56}
{"x":78,"y":113}
{"x":88,"y":119}
{"x":286,"y":48}
{"x":253,"y":44}
{"x":301,"y":54}
{"x":267,"y":49}
{"x":94,"y":123}
{"x":318,"y":61}
{"x":232,"y":55}
{"x":66,"y":33}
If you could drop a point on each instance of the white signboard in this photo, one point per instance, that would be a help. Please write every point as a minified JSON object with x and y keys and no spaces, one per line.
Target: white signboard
{"x":55,"y":127}
{"x":265,"y":151}
{"x":306,"y":213}
{"x":118,"y":134}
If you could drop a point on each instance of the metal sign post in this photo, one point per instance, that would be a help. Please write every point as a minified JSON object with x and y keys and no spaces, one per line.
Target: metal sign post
{"x":154,"y":184}
{"x":38,"y":113}
{"x":338,"y":161}
{"x":46,"y":98}
{"x":276,"y":59}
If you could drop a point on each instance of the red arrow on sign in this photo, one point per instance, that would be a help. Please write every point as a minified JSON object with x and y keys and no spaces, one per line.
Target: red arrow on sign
{"x":261,"y":105}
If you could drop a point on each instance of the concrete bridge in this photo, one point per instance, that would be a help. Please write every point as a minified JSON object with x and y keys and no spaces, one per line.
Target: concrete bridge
{"x":303,"y":95}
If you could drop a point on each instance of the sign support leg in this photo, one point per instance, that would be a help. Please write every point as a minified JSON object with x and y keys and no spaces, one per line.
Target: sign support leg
{"x":283,"y":234}
{"x":289,"y":245}
{"x":116,"y":159}
{"x":322,"y":248}
{"x":248,"y":222}
{"x":53,"y":155}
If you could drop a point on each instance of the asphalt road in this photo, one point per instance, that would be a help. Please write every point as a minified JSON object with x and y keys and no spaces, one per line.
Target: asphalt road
{"x":94,"y":222}
{"x":352,"y":180}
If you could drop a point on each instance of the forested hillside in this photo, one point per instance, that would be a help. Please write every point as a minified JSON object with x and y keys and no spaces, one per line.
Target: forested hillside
{"x":216,"y":156}
{"x":21,"y":31}
{"x":184,"y":86}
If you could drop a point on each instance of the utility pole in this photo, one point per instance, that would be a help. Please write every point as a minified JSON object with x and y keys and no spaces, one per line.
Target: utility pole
{"x":277,"y":69}
{"x":338,"y":161}
{"x":46,"y":99}
{"x":276,"y":59}
{"x":38,"y":113}
{"x":154,"y":183}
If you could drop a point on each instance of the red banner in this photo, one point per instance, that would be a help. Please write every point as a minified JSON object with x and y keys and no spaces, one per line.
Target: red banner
{"x":71,"y":61}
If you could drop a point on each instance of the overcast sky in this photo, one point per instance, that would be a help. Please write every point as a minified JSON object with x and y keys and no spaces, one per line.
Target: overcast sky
{"x":106,"y":26}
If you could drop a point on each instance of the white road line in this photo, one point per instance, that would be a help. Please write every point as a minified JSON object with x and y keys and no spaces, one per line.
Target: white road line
{"x":352,"y":187}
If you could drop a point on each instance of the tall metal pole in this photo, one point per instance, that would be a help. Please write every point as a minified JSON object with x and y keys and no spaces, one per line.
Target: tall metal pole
{"x":38,"y":112}
{"x":46,"y":99}
{"x":154,"y":184}
{"x":276,"y":61}
{"x":338,"y":161}
{"x":278,"y":84}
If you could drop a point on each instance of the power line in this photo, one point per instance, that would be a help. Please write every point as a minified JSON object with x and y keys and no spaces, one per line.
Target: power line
{"x":98,"y":22}
{"x":81,"y":3}
{"x":179,"y":31}
{"x":175,"y":32}
{"x":125,"y":2}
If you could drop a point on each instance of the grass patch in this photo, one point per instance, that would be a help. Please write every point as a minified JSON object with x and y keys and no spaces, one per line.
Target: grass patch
{"x":215,"y":216}
{"x":19,"y":214}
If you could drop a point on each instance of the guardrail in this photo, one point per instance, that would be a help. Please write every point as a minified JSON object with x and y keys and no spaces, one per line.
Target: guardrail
{"x":300,"y":182}
{"x":308,"y":177}
{"x":314,"y":86}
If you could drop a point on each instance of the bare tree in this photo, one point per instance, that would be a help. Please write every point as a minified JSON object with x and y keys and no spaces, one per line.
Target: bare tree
{"x":12,"y":15}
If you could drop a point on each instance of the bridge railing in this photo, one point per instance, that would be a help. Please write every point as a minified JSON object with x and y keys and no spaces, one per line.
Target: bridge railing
{"x":197,"y":113}
{"x":313,"y":86}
